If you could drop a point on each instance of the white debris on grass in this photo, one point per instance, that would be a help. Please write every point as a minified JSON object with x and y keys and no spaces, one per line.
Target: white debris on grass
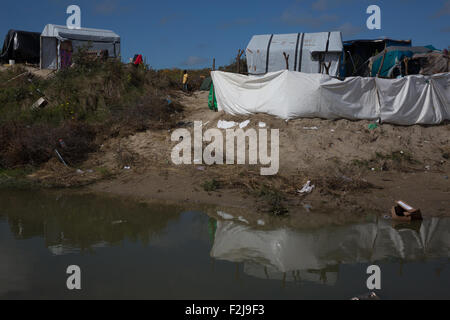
{"x":241,"y":219}
{"x":222,"y":124}
{"x":224,"y":215}
{"x":244,"y":124}
{"x":307,"y":188}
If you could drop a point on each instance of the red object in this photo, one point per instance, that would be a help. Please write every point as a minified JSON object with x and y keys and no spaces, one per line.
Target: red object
{"x":138,"y":60}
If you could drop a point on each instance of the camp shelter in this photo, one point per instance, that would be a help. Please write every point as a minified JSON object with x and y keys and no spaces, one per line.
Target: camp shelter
{"x":308,"y":53}
{"x":384,"y":64}
{"x":358,"y":53}
{"x":21,"y":46}
{"x":206,"y":84}
{"x":58,"y":43}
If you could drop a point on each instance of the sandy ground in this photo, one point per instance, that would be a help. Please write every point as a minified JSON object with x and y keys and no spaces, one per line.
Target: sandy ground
{"x":355,"y":170}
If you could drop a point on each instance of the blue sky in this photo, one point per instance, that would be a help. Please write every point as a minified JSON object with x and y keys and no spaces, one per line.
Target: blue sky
{"x":188,"y":34}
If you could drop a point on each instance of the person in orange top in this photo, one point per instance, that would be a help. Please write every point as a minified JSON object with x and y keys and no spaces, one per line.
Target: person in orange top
{"x":185,"y":80}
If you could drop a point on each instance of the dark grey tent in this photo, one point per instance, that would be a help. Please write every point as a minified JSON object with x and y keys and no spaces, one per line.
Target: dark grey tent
{"x":21,"y":46}
{"x":206,"y":85}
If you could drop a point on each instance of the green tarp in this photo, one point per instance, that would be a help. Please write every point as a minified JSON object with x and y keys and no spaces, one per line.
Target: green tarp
{"x":212,"y":102}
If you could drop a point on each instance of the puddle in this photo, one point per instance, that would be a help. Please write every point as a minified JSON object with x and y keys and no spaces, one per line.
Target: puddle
{"x":132,"y":251}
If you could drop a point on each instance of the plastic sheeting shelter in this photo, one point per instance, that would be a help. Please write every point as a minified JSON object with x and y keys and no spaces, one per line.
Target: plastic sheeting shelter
{"x":21,"y":46}
{"x":59,"y":41}
{"x":308,"y":52}
{"x":383,"y":64}
{"x":288,"y":95}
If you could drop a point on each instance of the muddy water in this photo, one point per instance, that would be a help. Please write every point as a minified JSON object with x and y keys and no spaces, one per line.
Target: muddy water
{"x":128,"y":250}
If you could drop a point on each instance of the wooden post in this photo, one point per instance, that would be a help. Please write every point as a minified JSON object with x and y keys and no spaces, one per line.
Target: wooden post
{"x":238,"y":60}
{"x":286,"y":58}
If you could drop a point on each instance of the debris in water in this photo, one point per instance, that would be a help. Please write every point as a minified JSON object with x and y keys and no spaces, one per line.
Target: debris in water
{"x":368,"y":296}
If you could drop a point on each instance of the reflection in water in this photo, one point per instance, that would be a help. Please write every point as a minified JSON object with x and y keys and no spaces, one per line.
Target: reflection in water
{"x":158,"y":252}
{"x":80,"y":223}
{"x":316,"y":255}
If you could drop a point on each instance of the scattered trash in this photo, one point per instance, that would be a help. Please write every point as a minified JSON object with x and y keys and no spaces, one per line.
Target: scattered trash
{"x":332,"y":130}
{"x":373,"y":169}
{"x":310,"y":128}
{"x":201,"y":168}
{"x":404,"y":212}
{"x":261,"y":223}
{"x":241,"y":219}
{"x":117,"y":222}
{"x":428,"y":168}
{"x":226,"y":124}
{"x":244,"y":124}
{"x":347,"y":179}
{"x":126,"y":168}
{"x":373,"y":126}
{"x":60,"y":158}
{"x":307,"y":207}
{"x":90,"y":171}
{"x":262,"y":125}
{"x":12,"y":62}
{"x":39,"y":104}
{"x":368,"y":296}
{"x":80,"y":171}
{"x":307,"y":188}
{"x":225,"y":216}
{"x":62,"y":143}
{"x":386,"y":217}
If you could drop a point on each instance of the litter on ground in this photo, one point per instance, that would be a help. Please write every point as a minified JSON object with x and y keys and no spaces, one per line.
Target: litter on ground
{"x":307,"y":188}
{"x":224,"y":215}
{"x":222,"y":124}
{"x":244,"y":124}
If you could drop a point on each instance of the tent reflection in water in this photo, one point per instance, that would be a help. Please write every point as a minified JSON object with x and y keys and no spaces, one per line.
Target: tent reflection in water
{"x":315,"y":255}
{"x":58,"y":43}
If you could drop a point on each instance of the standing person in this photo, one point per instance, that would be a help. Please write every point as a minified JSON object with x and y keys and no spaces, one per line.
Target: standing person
{"x":185,"y":80}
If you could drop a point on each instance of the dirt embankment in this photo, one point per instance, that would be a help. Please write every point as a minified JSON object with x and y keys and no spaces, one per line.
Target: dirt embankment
{"x":355,"y":170}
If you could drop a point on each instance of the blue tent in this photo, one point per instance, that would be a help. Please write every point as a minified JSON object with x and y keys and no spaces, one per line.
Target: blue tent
{"x":383,"y":64}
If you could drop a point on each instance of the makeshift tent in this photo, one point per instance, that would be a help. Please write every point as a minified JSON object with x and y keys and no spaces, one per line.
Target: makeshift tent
{"x":384,"y":64}
{"x":428,"y":63}
{"x":286,"y":94}
{"x":308,"y":52}
{"x":59,"y":42}
{"x":206,"y":84}
{"x":358,"y":53}
{"x":21,"y":46}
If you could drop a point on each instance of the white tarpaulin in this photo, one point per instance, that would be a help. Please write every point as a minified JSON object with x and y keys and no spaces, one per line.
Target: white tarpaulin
{"x":289,"y":95}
